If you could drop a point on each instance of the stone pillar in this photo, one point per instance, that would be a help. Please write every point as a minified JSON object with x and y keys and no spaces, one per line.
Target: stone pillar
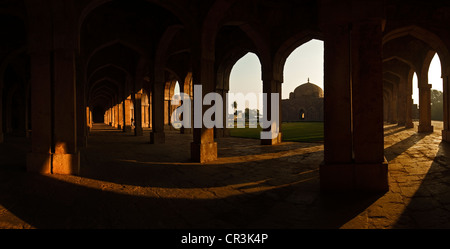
{"x":203,"y":148}
{"x":223,"y":132}
{"x":116,"y":116}
{"x":446,"y":107}
{"x":88,"y":118}
{"x":1,"y":111}
{"x":401,"y":102}
{"x":81,"y":110}
{"x":354,"y":142}
{"x":425,"y":106}
{"x":40,"y":158}
{"x":54,"y":146}
{"x":138,"y":115}
{"x":393,"y":117}
{"x":127,"y":115}
{"x":336,"y":172}
{"x":120,"y":120}
{"x":157,"y":136}
{"x":272,"y":86}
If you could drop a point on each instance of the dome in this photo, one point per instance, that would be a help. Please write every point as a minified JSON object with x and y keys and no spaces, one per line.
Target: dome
{"x":308,"y":90}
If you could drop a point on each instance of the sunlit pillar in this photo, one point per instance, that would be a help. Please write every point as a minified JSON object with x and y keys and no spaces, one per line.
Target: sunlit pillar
{"x":203,"y":148}
{"x":138,"y":115}
{"x":127,"y":103}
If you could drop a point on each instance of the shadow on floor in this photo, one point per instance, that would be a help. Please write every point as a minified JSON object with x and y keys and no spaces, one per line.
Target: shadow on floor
{"x":429,"y":206}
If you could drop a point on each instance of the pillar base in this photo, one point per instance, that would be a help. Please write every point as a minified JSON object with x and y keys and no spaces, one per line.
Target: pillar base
{"x":39,"y":163}
{"x":409,"y":125}
{"x":127,"y":128}
{"x":425,"y":128}
{"x":138,"y":131}
{"x":272,"y":141}
{"x":372,"y":177}
{"x":205,"y":152}
{"x":446,"y":135}
{"x":157,"y":137}
{"x":66,"y":164}
{"x":47,"y":163}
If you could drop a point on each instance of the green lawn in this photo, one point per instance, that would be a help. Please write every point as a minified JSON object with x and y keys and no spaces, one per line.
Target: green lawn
{"x":298,"y":132}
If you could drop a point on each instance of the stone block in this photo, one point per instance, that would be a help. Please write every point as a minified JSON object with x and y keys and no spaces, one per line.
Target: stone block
{"x":66,"y":164}
{"x":273,"y":141}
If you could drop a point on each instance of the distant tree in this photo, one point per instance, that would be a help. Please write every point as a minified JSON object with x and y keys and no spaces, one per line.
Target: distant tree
{"x":437,"y":105}
{"x":234,"y":106}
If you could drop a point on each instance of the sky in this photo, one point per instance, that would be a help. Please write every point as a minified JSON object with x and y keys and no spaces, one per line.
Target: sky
{"x":434,"y":78}
{"x":304,"y":62}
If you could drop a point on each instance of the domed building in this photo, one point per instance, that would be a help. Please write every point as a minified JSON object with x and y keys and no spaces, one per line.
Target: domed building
{"x":304,"y":104}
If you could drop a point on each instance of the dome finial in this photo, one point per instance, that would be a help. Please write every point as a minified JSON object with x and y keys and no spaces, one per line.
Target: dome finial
{"x":308,"y":79}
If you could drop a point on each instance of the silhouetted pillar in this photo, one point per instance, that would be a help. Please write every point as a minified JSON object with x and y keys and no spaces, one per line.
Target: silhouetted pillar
{"x":54,"y":140}
{"x":393,"y":117}
{"x":157,"y":136}
{"x":446,"y":107}
{"x":424,"y":105}
{"x":223,"y":132}
{"x":353,"y":106}
{"x":401,"y":102}
{"x":138,"y":115}
{"x":203,"y":148}
{"x":1,"y":112}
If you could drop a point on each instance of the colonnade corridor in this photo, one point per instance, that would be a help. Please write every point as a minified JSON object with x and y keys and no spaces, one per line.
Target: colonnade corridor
{"x":126,"y":182}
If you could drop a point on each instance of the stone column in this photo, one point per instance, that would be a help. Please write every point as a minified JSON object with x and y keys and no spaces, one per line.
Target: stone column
{"x":354,"y":142}
{"x":425,"y":105}
{"x":157,"y":136}
{"x":127,"y":115}
{"x":1,"y":111}
{"x":116,"y":116}
{"x":54,"y":147}
{"x":272,"y":86}
{"x":409,"y":101}
{"x":223,"y":132}
{"x":40,"y":158}
{"x":203,"y":148}
{"x":88,"y":119}
{"x":336,"y":171}
{"x":120,"y":114}
{"x":401,"y":102}
{"x":138,"y":115}
{"x":394,"y":105}
{"x":446,"y":107}
{"x":81,"y":109}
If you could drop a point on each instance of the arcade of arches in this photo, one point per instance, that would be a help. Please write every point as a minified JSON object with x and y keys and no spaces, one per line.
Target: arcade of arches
{"x":65,"y":65}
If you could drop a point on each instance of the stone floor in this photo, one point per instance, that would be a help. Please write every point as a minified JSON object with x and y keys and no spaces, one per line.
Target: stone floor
{"x":125,"y":182}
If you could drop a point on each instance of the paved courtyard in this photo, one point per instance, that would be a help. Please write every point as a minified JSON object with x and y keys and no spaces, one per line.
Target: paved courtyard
{"x":125,"y":182}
